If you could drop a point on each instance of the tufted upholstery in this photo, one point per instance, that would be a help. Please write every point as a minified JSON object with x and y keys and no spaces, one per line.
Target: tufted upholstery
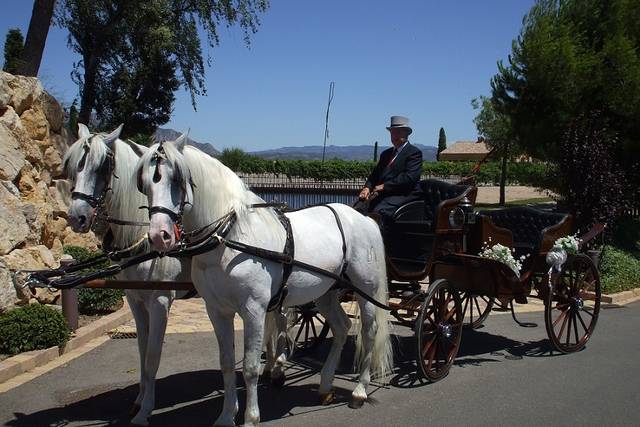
{"x":526,"y":224}
{"x":409,"y":238}
{"x":434,"y":192}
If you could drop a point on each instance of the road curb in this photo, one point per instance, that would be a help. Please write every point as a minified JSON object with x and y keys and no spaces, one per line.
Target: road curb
{"x":27,"y":361}
{"x":623,"y":297}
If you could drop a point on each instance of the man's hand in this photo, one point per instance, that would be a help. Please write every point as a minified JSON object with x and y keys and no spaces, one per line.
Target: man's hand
{"x":378,"y":188}
{"x":364,"y":193}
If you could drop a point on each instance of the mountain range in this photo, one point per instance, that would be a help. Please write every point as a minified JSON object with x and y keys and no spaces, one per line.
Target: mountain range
{"x":171,"y":135}
{"x":311,"y":152}
{"x":348,"y":152}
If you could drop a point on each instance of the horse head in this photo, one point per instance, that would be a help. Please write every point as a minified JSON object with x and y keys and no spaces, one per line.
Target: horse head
{"x":90,"y":165}
{"x":164,"y":177}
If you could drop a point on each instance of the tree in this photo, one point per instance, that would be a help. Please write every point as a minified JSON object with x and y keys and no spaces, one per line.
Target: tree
{"x":104,"y":31}
{"x":598,"y":193}
{"x":36,"y":37}
{"x":573,"y":57}
{"x":496,"y":129}
{"x":72,"y":125}
{"x":442,"y":143}
{"x":13,"y":46}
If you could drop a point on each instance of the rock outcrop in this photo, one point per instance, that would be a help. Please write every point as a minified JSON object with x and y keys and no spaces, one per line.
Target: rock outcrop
{"x":33,"y":192}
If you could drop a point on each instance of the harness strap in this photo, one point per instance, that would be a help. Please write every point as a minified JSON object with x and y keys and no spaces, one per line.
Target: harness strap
{"x":289,"y":250}
{"x":344,"y":241}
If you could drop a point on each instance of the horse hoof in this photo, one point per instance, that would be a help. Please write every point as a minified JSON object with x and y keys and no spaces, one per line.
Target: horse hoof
{"x":134,"y":410}
{"x":327,"y":398}
{"x":278,"y":381}
{"x":356,"y":402}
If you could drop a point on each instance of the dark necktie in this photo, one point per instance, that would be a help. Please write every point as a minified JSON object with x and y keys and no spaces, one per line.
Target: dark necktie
{"x":394,"y":153}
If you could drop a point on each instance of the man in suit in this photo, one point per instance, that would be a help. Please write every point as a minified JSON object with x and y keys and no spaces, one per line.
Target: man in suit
{"x":394,"y":181}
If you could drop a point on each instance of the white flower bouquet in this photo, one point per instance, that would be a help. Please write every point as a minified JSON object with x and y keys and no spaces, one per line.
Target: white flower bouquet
{"x":569,"y":243}
{"x":503,"y":254}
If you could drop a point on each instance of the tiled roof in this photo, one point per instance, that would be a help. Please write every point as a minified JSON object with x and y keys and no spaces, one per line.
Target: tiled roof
{"x":466,"y":147}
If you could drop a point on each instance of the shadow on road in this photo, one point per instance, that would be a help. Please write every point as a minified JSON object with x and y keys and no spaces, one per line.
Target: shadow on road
{"x":196,"y":398}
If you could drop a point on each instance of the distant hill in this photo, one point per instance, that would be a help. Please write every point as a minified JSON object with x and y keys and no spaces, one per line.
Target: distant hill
{"x":170,"y":135}
{"x":349,"y":152}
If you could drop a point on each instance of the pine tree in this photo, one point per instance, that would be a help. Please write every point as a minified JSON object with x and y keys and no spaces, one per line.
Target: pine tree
{"x":13,"y":45}
{"x":442,"y":142}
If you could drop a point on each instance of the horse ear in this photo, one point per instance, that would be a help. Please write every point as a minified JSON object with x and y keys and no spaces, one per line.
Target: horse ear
{"x":181,"y":141}
{"x":137,"y":148}
{"x":83,"y":131}
{"x":111,"y":138}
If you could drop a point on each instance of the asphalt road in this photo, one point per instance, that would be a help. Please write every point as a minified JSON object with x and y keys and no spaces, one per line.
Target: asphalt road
{"x":504,"y":375}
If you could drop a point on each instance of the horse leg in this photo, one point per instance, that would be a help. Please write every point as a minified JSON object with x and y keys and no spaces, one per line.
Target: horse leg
{"x":329,"y":306}
{"x":254,"y":320}
{"x":368,"y":335}
{"x":223,"y":327}
{"x":141,"y":318}
{"x":269,"y":338}
{"x":280,"y":357}
{"x":158,"y":310}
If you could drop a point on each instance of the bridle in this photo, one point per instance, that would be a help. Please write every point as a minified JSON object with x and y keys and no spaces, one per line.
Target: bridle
{"x":176,"y":217}
{"x":106,"y":171}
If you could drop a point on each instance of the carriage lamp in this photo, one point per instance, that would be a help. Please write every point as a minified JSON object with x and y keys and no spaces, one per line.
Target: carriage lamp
{"x":456,"y":217}
{"x":467,"y":208}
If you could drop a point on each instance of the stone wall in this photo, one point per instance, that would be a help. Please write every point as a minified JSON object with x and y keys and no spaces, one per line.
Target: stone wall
{"x":33,"y":193}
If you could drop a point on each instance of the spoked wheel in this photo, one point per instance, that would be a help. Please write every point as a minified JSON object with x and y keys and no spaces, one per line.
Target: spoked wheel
{"x":438,"y":330}
{"x":475,"y":309}
{"x":573,"y":305}
{"x":312,"y":327}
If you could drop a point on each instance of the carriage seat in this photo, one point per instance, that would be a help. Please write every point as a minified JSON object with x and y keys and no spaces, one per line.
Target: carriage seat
{"x":409,"y":237}
{"x":527,"y":226}
{"x":424,"y":212}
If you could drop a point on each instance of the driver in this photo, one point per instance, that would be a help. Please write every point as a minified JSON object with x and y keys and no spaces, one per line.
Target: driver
{"x":394,"y":181}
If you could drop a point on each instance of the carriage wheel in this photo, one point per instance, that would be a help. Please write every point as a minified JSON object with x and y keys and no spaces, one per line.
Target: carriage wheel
{"x":312,"y":327}
{"x":475,"y":309}
{"x":438,"y":330}
{"x":573,"y":304}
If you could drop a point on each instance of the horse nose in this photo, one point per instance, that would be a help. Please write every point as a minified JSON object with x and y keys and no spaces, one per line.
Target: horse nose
{"x":82,"y":220}
{"x":166,"y":237}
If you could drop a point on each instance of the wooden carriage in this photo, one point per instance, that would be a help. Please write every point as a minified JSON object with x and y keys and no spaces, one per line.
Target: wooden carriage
{"x":438,"y":239}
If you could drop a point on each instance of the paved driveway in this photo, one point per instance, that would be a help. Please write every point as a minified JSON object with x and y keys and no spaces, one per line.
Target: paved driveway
{"x":504,"y":375}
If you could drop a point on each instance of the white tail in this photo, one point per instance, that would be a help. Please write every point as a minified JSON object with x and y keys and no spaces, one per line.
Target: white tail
{"x":382,"y":355}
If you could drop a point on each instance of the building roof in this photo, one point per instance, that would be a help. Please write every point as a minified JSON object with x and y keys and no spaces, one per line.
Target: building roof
{"x":463,"y":147}
{"x":465,"y":150}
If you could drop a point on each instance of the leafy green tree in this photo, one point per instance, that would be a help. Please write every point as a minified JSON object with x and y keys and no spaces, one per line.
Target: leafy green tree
{"x":442,"y":143}
{"x":106,"y":32}
{"x":39,"y":24}
{"x":13,"y":45}
{"x":573,"y":57}
{"x":496,"y":129}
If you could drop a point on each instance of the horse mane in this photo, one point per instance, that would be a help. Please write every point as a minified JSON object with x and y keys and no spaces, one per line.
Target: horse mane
{"x":217,"y":189}
{"x":123,"y":201}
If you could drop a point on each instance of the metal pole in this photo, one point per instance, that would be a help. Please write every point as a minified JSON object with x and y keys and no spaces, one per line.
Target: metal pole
{"x":70,"y":301}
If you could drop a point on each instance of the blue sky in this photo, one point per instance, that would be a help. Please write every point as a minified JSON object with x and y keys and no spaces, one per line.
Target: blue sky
{"x":421,"y":58}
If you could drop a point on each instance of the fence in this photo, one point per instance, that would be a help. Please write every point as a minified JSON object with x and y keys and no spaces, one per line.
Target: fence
{"x":298,"y":192}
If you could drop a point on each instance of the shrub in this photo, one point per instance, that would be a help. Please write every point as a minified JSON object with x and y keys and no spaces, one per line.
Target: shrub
{"x":32,"y":327}
{"x":619,"y":270}
{"x":91,"y":301}
{"x":591,"y":182}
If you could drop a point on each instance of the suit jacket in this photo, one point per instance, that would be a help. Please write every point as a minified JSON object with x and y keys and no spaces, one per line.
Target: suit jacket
{"x":402,"y":176}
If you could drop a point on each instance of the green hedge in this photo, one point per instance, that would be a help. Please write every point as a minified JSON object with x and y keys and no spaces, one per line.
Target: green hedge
{"x":620,"y":270}
{"x":533,"y":174}
{"x":32,"y":327}
{"x":92,"y":301}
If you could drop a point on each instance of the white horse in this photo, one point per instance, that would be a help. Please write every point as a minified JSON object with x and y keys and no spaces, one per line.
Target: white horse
{"x":101,"y":168}
{"x":184,"y":184}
